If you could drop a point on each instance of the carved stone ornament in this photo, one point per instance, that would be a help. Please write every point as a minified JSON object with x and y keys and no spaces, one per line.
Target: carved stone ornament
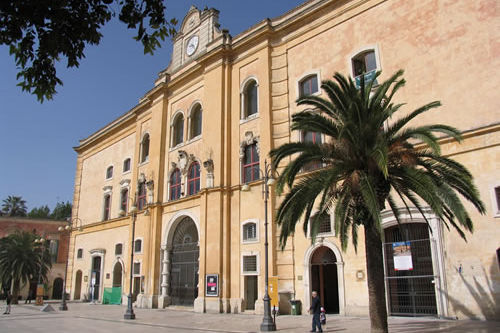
{"x":249,"y":140}
{"x":185,"y":160}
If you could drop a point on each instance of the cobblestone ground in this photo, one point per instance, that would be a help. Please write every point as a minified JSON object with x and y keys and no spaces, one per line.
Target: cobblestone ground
{"x":84,"y":317}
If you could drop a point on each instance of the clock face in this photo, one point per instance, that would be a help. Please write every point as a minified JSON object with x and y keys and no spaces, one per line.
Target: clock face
{"x":192,"y":45}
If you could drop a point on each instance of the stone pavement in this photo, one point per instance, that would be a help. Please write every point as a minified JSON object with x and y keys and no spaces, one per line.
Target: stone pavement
{"x":85,"y":317}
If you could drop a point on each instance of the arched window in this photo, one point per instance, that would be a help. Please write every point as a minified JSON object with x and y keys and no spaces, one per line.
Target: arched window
{"x":141,"y":196}
{"x":145,"y":148}
{"x":315,"y":138}
{"x":109,"y":172}
{"x":308,"y":85}
{"x":138,"y":246}
{"x":249,"y":99}
{"x":107,"y":207}
{"x":195,"y":126}
{"x":126,"y":165}
{"x":249,"y":231}
{"x":364,"y":64}
{"x":250,"y":167}
{"x":175,"y":185}
{"x":194,"y":178}
{"x":124,"y":200}
{"x":118,"y":249}
{"x":178,"y":130}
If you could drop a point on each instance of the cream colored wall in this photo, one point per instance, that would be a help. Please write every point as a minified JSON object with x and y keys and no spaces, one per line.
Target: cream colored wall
{"x":103,"y":239}
{"x":90,"y":208}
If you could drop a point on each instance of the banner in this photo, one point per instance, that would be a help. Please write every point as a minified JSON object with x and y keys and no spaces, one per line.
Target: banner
{"x":402,"y":256}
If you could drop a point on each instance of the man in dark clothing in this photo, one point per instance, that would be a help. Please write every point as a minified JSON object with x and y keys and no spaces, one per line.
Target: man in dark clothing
{"x":8,"y":300}
{"x":315,"y":309}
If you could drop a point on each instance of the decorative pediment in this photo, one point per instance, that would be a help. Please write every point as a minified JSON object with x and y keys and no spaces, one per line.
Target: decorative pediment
{"x":249,"y":140}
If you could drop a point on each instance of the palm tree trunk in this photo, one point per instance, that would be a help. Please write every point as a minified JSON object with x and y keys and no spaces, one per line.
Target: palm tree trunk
{"x":15,"y":292}
{"x":375,"y":277}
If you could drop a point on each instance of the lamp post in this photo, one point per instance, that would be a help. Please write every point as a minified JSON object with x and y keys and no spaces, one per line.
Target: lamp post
{"x":129,"y":313}
{"x":39,"y":287}
{"x":73,"y":224}
{"x":268,"y":323}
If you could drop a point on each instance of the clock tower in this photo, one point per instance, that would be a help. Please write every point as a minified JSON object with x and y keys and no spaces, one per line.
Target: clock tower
{"x":198,"y":29}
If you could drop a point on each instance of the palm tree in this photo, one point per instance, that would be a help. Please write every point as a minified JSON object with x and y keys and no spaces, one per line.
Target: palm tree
{"x":14,"y":206}
{"x":21,"y":260}
{"x":368,"y":165}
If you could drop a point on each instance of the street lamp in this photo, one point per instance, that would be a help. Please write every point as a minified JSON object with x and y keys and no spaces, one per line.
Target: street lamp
{"x":39,"y":287}
{"x":73,"y":224}
{"x":268,"y":323}
{"x":129,"y":313}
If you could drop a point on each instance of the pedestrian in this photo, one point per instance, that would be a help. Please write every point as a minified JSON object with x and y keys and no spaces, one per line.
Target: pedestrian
{"x":30,"y":296}
{"x":8,"y":300}
{"x":315,"y":309}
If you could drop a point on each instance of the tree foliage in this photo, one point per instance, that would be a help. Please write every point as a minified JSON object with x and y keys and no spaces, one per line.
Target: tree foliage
{"x":43,"y":32}
{"x":14,"y":206}
{"x":61,"y":211}
{"x":22,"y":260}
{"x":372,"y":163}
{"x":42,"y":212}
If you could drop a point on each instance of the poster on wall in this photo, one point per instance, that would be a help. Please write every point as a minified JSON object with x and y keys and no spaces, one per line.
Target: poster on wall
{"x":402,"y":256}
{"x":212,"y":285}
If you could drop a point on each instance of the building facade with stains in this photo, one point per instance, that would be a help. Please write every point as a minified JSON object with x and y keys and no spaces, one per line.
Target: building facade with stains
{"x":188,"y":157}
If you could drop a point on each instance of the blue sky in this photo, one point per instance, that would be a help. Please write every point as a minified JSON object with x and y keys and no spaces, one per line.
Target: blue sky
{"x":37,"y":160}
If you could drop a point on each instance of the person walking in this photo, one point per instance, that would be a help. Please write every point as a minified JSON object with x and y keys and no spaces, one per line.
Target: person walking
{"x":8,"y":300}
{"x":315,"y":309}
{"x":30,"y":296}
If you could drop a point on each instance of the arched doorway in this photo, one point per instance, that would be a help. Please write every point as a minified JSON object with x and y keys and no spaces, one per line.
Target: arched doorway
{"x":117,"y":275}
{"x":409,"y":270}
{"x":324,"y":278}
{"x":57,"y":288}
{"x":184,"y":256}
{"x":78,"y":285}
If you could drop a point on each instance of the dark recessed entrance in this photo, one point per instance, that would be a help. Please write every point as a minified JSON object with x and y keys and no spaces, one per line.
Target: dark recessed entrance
{"x":410,"y":288}
{"x":184,"y":263}
{"x":324,"y":278}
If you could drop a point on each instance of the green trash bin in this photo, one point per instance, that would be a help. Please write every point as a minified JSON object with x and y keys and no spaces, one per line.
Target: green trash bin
{"x":296,"y":307}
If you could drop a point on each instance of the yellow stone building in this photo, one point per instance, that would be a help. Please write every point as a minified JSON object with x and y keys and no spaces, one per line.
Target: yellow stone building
{"x":184,"y":153}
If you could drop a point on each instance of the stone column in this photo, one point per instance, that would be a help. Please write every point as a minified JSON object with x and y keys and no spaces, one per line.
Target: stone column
{"x":165,"y":298}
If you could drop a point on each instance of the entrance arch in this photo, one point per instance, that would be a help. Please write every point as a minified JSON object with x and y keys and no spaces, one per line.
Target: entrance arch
{"x":324,"y":278}
{"x":313,"y":257}
{"x":57,"y":288}
{"x":184,"y":252}
{"x":78,"y":285}
{"x":117,"y":275}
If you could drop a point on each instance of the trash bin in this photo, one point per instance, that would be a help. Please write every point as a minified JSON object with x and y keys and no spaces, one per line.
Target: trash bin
{"x":296,"y":307}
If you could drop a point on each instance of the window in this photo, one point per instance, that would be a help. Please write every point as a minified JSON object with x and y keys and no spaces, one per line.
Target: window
{"x":314,"y":138}
{"x":145,"y":148}
{"x":249,"y":231}
{"x":325,"y":226}
{"x":196,"y":114}
{"x":126,"y":165}
{"x":194,"y":178}
{"x":364,"y":64}
{"x":249,"y":99}
{"x":137,"y":268}
{"x":178,"y":130}
{"x":53,"y":250}
{"x":308,"y":85}
{"x":109,"y":172}
{"x":124,"y":200}
{"x":141,"y":196}
{"x":138,"y":246}
{"x":175,"y":185}
{"x":107,"y":207}
{"x":251,"y":163}
{"x":497,"y":199}
{"x":79,"y":254}
{"x":250,"y":264}
{"x":118,"y":249}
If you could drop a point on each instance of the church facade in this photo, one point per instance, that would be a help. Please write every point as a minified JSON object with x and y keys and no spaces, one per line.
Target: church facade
{"x":190,"y":157}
